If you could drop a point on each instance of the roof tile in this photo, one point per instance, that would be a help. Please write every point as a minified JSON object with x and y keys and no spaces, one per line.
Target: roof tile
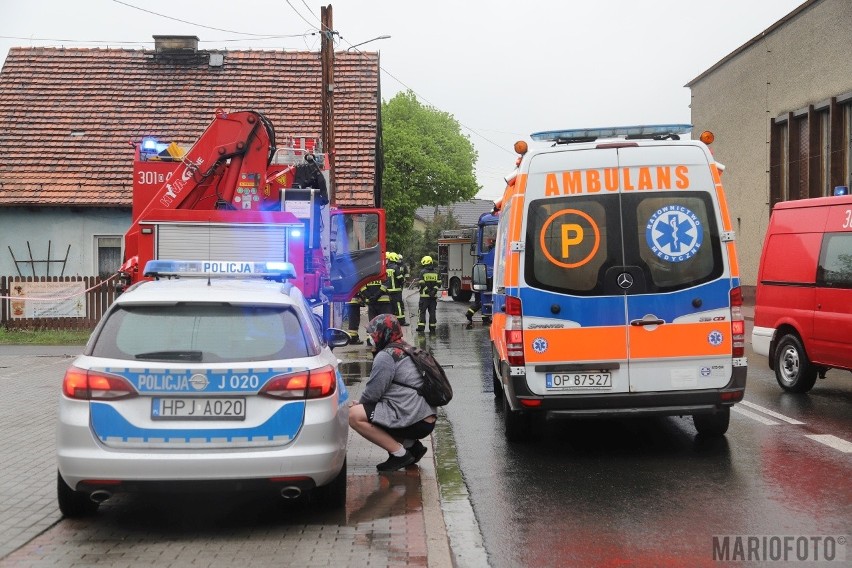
{"x":68,"y":116}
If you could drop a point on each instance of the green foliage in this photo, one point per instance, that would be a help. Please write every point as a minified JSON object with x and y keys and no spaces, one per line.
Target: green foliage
{"x":43,"y":337}
{"x":428,"y":161}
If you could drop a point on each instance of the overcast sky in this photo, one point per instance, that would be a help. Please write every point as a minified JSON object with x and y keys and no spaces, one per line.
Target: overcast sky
{"x":502,"y":69}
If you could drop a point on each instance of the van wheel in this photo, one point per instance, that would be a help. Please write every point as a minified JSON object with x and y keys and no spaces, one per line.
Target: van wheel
{"x":495,"y":381}
{"x":793,"y":370}
{"x":73,"y":504}
{"x":712,"y":424}
{"x":517,"y":424}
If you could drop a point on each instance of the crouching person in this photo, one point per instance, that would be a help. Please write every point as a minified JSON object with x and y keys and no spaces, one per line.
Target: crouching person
{"x":391,"y":413}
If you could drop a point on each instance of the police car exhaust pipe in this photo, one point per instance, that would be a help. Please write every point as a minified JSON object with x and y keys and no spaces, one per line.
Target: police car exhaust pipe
{"x":291,"y":492}
{"x":100,"y":496}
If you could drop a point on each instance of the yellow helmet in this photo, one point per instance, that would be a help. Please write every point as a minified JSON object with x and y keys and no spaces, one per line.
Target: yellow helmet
{"x":426,"y":260}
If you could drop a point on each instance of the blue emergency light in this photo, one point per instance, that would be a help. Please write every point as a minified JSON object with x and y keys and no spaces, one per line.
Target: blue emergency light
{"x":149,"y":144}
{"x":841,"y":190}
{"x":277,"y":270}
{"x":591,"y":134}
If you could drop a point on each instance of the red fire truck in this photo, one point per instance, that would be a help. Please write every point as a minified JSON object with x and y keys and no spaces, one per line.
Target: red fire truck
{"x":456,"y":257}
{"x":235,"y":196}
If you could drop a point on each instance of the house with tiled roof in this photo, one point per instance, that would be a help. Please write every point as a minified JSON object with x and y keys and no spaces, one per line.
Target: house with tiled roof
{"x":69,"y":119}
{"x":466,"y":213}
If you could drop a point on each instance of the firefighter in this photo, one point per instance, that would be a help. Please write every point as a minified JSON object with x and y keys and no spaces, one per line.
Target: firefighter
{"x":396,"y":279}
{"x":376,"y":297}
{"x":475,"y":307}
{"x":354,"y":310}
{"x":428,"y":282}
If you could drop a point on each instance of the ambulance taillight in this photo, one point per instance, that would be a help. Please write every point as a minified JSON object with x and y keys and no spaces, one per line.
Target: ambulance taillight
{"x":737,"y":322}
{"x":514,"y":332}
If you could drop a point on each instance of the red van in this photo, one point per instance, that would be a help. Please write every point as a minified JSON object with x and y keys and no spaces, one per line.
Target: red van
{"x":803,"y":306}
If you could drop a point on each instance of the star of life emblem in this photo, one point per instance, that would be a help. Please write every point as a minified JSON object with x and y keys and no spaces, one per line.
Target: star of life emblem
{"x":715,"y":338}
{"x":539,"y":345}
{"x":674,"y":233}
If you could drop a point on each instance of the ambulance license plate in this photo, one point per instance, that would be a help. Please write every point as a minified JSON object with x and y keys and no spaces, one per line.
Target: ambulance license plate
{"x":571,"y":381}
{"x":170,"y":408}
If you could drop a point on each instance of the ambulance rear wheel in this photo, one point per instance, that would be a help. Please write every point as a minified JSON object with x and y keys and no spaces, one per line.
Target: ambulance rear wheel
{"x":712,"y":424}
{"x":793,"y":369}
{"x":495,"y":381}
{"x":517,"y":424}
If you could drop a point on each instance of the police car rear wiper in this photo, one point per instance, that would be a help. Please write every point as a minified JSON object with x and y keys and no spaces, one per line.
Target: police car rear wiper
{"x":171,"y":355}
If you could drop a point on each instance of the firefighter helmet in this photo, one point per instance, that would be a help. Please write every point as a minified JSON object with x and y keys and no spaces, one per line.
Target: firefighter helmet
{"x":426,"y":260}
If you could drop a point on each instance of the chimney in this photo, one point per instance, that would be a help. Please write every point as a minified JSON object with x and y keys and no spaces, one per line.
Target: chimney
{"x":175,"y":43}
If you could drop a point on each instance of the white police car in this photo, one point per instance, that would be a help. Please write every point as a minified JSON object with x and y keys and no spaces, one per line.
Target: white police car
{"x":204,"y":383}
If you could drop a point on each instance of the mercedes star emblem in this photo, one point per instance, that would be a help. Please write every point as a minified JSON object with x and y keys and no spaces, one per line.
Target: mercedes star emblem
{"x":625,"y":280}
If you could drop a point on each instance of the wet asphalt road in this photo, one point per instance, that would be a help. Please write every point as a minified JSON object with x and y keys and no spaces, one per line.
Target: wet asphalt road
{"x":646,"y":491}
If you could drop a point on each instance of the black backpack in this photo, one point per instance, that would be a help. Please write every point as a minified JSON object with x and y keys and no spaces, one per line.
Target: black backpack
{"x":436,"y":387}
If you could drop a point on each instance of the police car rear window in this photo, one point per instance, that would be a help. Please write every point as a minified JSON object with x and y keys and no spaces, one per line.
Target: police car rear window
{"x":200,"y":332}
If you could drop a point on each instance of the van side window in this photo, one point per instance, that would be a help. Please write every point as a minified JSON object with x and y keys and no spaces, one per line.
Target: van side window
{"x":835,"y":261}
{"x":502,"y":244}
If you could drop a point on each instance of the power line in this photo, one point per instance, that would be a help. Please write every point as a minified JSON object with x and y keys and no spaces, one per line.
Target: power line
{"x":186,"y":21}
{"x":301,"y":16}
{"x":106,"y":42}
{"x":424,"y":99}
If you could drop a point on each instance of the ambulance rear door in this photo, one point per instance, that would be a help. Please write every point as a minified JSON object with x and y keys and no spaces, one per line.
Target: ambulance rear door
{"x":675,"y":274}
{"x":574,"y":325}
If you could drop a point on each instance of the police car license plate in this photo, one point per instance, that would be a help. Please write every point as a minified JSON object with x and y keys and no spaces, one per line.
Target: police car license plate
{"x":171,"y":408}
{"x":571,"y":381}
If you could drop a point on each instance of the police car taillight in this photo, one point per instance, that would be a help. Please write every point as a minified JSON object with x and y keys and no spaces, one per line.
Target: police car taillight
{"x":737,"y":322}
{"x":296,"y":386}
{"x":92,"y":385}
{"x":514,"y":331}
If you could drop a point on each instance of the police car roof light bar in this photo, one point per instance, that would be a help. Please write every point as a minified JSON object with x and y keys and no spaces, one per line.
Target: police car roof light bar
{"x":219,"y":269}
{"x":647,"y":131}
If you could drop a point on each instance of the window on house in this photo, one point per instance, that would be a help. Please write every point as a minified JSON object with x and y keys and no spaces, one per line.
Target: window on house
{"x":810,"y":151}
{"x":107,"y":255}
{"x":847,"y":144}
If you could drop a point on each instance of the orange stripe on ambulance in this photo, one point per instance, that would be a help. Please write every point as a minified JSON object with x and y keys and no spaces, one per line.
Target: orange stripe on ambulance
{"x":613,"y":179}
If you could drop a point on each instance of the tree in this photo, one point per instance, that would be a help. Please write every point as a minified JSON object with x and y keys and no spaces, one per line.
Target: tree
{"x":428,"y":161}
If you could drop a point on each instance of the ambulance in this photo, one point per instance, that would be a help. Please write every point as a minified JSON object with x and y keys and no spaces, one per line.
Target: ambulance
{"x":616,"y":285}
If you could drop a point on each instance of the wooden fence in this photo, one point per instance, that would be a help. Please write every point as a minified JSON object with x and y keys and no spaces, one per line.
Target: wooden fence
{"x":99,"y":295}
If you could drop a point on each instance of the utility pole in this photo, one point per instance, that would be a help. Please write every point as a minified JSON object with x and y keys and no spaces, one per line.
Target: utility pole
{"x":327,"y":98}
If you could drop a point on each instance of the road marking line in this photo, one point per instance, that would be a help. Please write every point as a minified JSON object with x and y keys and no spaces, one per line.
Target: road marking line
{"x":771,"y":413}
{"x":754,"y":416}
{"x":832,"y":442}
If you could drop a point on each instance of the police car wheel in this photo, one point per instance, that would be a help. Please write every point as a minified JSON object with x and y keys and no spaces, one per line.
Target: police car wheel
{"x":793,"y":369}
{"x":333,"y":495}
{"x":73,"y":504}
{"x":712,"y":424}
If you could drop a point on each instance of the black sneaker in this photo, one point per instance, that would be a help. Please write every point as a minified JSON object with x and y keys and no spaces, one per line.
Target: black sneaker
{"x":356,"y":341}
{"x":418,"y":450}
{"x":394,"y":463}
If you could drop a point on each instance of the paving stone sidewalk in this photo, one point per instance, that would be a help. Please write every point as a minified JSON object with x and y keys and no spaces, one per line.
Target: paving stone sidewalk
{"x":390,"y":519}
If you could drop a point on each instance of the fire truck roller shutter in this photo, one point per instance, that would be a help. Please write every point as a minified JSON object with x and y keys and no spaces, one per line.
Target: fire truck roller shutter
{"x":222,"y":242}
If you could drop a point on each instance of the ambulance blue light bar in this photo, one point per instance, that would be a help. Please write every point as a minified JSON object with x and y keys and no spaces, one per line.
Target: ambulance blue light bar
{"x":630,"y":132}
{"x":220,"y":269}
